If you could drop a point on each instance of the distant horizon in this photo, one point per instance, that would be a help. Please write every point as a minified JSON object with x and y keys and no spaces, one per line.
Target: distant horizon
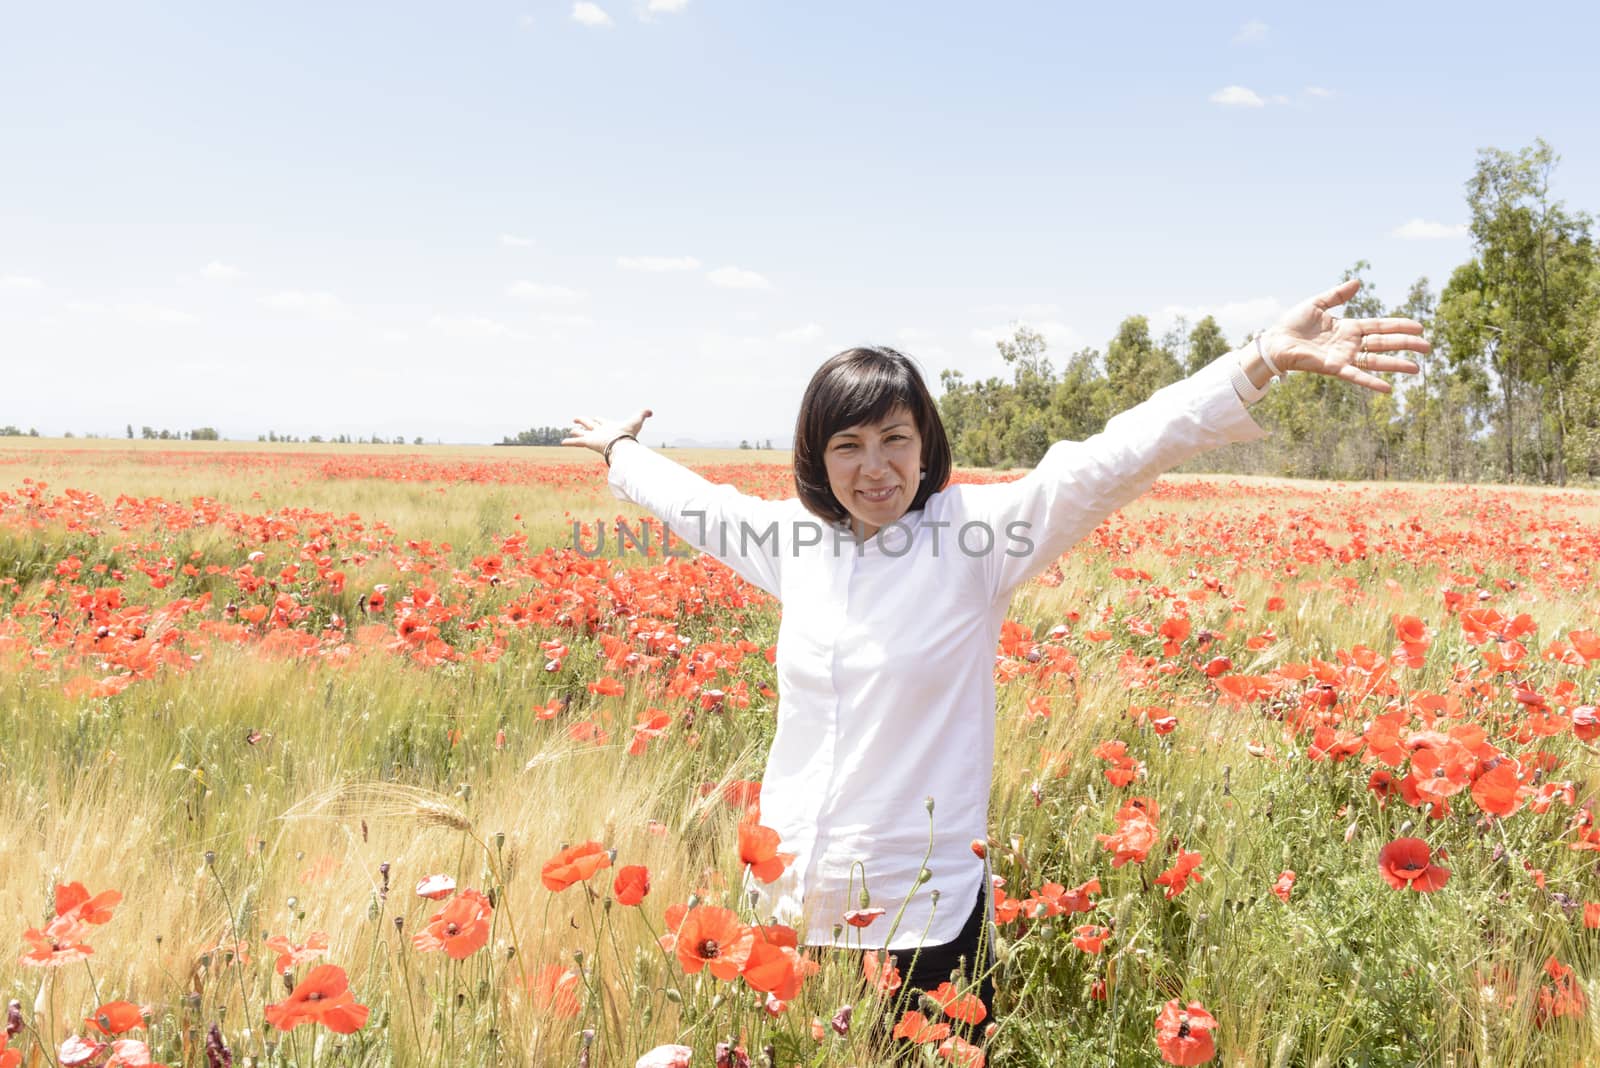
{"x":756,"y":444}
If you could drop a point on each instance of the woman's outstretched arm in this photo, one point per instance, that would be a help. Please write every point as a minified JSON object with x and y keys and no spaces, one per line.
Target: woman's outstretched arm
{"x":740,"y":530}
{"x":1078,"y":483}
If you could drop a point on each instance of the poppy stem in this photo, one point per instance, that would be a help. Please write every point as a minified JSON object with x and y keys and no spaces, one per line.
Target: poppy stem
{"x":503,"y":902}
{"x":93,"y":986}
{"x":233,"y":925}
{"x":597,"y":987}
{"x":895,"y":926}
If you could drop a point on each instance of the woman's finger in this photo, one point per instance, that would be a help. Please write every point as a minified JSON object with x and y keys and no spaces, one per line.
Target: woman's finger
{"x":1339,"y":294}
{"x":1374,"y":363}
{"x":1389,"y":326}
{"x":1351,"y":373}
{"x":1395,"y":343}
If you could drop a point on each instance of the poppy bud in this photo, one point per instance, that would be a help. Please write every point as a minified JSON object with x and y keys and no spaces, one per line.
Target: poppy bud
{"x":927,"y":802}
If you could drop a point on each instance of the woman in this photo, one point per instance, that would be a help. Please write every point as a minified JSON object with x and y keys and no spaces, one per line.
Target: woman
{"x":894,"y":587}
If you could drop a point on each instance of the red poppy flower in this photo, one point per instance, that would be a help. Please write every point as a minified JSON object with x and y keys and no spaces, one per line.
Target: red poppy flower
{"x":77,"y":1050}
{"x":9,"y":1058}
{"x":74,"y":901}
{"x":115,"y":1018}
{"x":879,"y":968}
{"x":758,"y":847}
{"x":631,"y":884}
{"x":436,"y":887}
{"x":130,"y":1053}
{"x":774,"y":968}
{"x":555,"y":990}
{"x":1499,"y":791}
{"x":667,"y":1057}
{"x":1284,"y":886}
{"x":291,"y":955}
{"x":959,"y":1051}
{"x":1184,"y":1034}
{"x":1091,"y":938}
{"x":968,"y":1008}
{"x":56,"y":945}
{"x":1181,"y":874}
{"x":1407,"y":862}
{"x":917,"y":1028}
{"x":323,"y":997}
{"x":461,"y":928}
{"x":862,"y":917}
{"x":574,"y":864}
{"x":713,"y":937}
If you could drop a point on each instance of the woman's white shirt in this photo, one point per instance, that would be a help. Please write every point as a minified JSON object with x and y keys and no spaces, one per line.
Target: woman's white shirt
{"x":886,"y":651}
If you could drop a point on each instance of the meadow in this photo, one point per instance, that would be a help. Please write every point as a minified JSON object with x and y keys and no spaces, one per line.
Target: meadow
{"x":347,"y":756}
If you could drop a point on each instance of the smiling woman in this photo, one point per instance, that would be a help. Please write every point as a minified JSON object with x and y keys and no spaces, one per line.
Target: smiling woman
{"x":879,"y":775}
{"x":860,"y":449}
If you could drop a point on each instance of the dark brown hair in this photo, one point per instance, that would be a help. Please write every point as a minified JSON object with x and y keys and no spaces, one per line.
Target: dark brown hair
{"x":857,"y":386}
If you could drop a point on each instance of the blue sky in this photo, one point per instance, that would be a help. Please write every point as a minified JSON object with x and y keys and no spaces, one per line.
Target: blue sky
{"x":459,"y":221}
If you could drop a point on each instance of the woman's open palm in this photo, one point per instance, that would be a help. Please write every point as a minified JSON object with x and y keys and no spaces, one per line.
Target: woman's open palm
{"x":1311,"y":338}
{"x":596,"y":434}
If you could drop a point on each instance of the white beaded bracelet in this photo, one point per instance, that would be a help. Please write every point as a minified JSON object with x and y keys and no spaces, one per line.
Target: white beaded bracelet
{"x":1248,"y":392}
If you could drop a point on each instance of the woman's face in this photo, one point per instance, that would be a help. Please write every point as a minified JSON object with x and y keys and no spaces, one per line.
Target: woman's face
{"x":874,"y":469}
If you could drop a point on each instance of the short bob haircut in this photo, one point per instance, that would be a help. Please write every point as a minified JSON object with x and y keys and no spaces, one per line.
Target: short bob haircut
{"x":863,"y":385}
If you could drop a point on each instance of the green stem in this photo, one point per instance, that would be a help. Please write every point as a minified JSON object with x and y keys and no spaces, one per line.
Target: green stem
{"x":233,"y":925}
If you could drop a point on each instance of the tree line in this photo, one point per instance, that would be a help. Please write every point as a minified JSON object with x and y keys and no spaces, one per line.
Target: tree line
{"x":1511,"y":391}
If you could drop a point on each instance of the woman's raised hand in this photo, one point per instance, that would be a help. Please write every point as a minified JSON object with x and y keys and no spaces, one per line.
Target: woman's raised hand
{"x":596,"y":434}
{"x":1310,"y":338}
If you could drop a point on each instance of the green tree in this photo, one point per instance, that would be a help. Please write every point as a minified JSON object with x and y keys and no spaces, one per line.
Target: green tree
{"x":1136,"y":366}
{"x":1206,"y":343}
{"x":1519,"y":309}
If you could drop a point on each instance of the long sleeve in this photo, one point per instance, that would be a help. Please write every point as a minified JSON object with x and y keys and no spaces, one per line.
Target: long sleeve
{"x":747,"y":533}
{"x":1078,"y":483}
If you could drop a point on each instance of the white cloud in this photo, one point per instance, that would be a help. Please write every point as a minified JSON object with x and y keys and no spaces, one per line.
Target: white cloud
{"x":809,"y":332}
{"x":543,"y":294}
{"x":394,"y":337}
{"x":914,"y":334}
{"x":1253,"y":32}
{"x":1236,"y":318}
{"x":155,"y":315}
{"x":526,"y":21}
{"x":220,"y":272}
{"x":565,"y":319}
{"x":1059,"y":338}
{"x":670,"y":7}
{"x":1279,"y":98}
{"x":590,"y":14}
{"x":737,"y":278}
{"x":475,"y":328}
{"x":1236,"y":96}
{"x":1019,"y":311}
{"x":1423,"y":230}
{"x":658,"y":263}
{"x":513,"y":241}
{"x":321,"y":305}
{"x":1318,"y":91}
{"x":17,"y":283}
